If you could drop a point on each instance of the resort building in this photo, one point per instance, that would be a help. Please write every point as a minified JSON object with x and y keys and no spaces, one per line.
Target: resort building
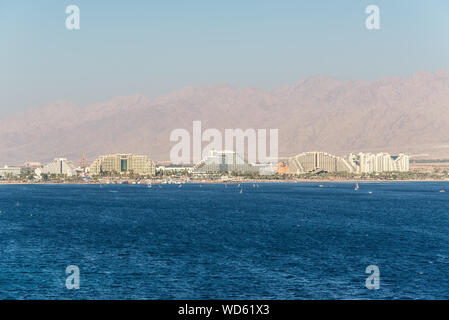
{"x":380,"y":162}
{"x":32,"y":164}
{"x":317,"y":161}
{"x":123,"y":164}
{"x":58,"y":166}
{"x":171,"y":169}
{"x":226,"y":161}
{"x":7,"y":171}
{"x":402,"y":162}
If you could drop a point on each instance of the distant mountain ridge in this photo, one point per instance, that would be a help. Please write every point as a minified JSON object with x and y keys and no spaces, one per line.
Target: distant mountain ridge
{"x":318,"y":113}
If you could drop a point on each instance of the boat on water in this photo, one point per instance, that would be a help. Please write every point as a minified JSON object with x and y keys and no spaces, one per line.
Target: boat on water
{"x":442,"y":190}
{"x":320,"y":186}
{"x":241,"y":190}
{"x":356,"y":186}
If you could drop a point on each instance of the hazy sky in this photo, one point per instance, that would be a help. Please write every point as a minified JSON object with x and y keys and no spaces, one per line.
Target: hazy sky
{"x":154,"y":47}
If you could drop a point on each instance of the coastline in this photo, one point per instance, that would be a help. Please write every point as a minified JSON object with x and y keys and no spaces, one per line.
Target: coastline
{"x":261,"y":181}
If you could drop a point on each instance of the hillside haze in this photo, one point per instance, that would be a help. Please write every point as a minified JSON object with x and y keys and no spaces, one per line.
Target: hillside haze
{"x":319,"y":113}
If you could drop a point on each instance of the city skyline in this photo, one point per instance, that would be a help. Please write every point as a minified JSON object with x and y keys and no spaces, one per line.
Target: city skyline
{"x":224,"y":161}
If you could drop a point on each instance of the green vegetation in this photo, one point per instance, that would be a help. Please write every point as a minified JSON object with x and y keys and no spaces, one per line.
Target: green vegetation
{"x":185,"y":175}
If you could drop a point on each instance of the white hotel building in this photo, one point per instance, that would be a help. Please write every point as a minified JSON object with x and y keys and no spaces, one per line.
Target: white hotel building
{"x":380,"y":162}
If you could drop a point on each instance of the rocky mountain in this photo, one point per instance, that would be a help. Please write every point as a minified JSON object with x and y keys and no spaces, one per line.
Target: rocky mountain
{"x":319,"y":113}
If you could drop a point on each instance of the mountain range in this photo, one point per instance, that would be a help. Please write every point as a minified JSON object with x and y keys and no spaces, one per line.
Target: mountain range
{"x":322,"y":113}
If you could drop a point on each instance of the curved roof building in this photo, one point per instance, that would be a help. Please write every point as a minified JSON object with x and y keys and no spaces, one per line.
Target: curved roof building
{"x":317,"y":161}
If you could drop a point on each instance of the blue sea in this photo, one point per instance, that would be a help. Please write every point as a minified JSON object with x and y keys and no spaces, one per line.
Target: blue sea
{"x":272,"y":241}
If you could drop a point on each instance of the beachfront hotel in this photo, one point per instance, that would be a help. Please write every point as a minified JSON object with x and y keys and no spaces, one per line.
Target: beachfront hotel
{"x":59,"y":166}
{"x":380,"y":162}
{"x":227,"y":161}
{"x":9,"y":171}
{"x":123,"y":164}
{"x":315,"y":162}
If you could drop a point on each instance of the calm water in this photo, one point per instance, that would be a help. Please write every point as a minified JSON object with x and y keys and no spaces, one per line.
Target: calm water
{"x":278,"y":241}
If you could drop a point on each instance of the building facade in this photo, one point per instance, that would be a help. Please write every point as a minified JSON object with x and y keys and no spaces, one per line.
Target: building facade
{"x":402,"y":162}
{"x":316,"y":162}
{"x":380,"y":162}
{"x":59,"y":166}
{"x":123,"y":164}
{"x":226,"y":161}
{"x":7,"y":171}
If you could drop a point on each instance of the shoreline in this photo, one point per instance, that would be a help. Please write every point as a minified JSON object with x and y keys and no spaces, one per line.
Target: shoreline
{"x":226,"y":182}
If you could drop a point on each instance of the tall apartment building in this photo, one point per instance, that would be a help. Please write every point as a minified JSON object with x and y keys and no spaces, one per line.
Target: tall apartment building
{"x":123,"y":163}
{"x":380,"y":162}
{"x":402,"y":162}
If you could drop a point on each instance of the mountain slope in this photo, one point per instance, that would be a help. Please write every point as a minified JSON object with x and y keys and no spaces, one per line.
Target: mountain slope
{"x":318,"y":113}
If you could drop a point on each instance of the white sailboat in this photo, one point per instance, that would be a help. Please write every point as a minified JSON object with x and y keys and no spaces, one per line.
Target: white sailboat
{"x":356,"y":187}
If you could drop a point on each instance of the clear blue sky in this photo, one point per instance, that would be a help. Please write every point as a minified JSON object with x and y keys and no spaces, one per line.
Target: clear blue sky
{"x":154,"y":47}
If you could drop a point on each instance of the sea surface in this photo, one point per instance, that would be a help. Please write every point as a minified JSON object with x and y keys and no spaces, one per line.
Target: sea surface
{"x":272,"y":241}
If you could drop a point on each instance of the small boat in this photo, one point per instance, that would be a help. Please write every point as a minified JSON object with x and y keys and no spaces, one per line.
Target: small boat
{"x":442,"y":190}
{"x":356,"y":186}
{"x":320,"y":186}
{"x":241,"y":190}
{"x":370,"y":192}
